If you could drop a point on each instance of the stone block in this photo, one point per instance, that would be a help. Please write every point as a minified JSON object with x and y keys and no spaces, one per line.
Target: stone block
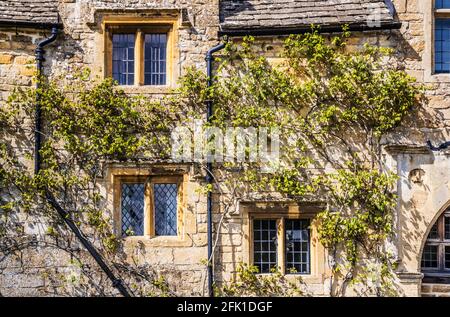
{"x":23,"y":60}
{"x":189,"y":255}
{"x":400,"y":6}
{"x":441,"y":288}
{"x":6,"y":58}
{"x":27,"y":70}
{"x":200,"y":240}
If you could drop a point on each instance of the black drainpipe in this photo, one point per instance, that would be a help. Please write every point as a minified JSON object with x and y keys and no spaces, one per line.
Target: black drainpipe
{"x":117,"y":283}
{"x":209,"y":178}
{"x":38,"y":111}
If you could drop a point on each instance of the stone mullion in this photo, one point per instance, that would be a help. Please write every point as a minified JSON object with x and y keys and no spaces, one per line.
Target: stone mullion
{"x":139,"y":58}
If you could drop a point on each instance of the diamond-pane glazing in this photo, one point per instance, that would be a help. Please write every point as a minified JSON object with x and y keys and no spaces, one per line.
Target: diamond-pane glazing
{"x":165,"y":198}
{"x":133,"y":209}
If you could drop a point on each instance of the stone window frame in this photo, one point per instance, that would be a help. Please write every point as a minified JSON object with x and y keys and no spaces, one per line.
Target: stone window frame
{"x":279,"y":211}
{"x":430,"y":15}
{"x":149,"y":205}
{"x":281,"y":239}
{"x":140,"y":26}
{"x":117,"y":175}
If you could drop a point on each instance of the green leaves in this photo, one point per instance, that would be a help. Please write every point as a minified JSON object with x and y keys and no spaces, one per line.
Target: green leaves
{"x":85,"y":124}
{"x":249,"y":283}
{"x":332,"y":105}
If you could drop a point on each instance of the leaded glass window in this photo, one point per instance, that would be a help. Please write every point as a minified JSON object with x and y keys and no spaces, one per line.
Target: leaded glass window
{"x":132,"y":209}
{"x":442,"y":46}
{"x":148,"y":205}
{"x":447,"y":228}
{"x":265,"y":244}
{"x":155,"y":57}
{"x":434,"y":233}
{"x":123,"y":58}
{"x":282,"y":244}
{"x":436,"y":252}
{"x":165,"y":200}
{"x":430,"y":256}
{"x":297,"y":245}
{"x":447,"y":257}
{"x":140,"y":55}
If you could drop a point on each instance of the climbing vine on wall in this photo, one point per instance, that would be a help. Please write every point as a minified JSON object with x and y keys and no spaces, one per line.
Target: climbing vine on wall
{"x":332,"y":107}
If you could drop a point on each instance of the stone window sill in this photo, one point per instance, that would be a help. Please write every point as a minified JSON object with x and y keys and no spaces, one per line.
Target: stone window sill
{"x":175,"y":241}
{"x":147,"y":89}
{"x":438,"y":78}
{"x":308,"y":278}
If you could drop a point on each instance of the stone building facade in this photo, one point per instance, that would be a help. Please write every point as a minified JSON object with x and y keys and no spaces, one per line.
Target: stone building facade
{"x":191,"y":28}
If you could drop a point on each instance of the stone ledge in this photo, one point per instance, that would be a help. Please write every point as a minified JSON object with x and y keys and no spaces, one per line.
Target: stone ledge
{"x":436,"y":288}
{"x":407,"y":148}
{"x":410,"y":277}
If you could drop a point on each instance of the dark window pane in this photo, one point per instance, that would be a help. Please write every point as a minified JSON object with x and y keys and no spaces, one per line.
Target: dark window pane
{"x":123,"y":58}
{"x":442,"y":43}
{"x":447,"y":257}
{"x":265,"y":245}
{"x":155,"y":52}
{"x":132,"y":209}
{"x":165,"y":198}
{"x":434,"y":233}
{"x":442,"y":4}
{"x":447,"y":228}
{"x":297,"y":246}
{"x":430,"y":256}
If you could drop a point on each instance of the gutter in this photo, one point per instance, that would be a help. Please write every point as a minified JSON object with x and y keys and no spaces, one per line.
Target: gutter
{"x":209,"y":177}
{"x":29,"y":24}
{"x":355,"y":27}
{"x":40,"y":52}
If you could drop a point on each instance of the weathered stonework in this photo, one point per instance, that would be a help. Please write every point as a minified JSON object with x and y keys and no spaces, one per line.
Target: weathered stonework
{"x":423,"y":186}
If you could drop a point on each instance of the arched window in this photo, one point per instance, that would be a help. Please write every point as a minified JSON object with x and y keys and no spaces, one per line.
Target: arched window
{"x":436,"y":252}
